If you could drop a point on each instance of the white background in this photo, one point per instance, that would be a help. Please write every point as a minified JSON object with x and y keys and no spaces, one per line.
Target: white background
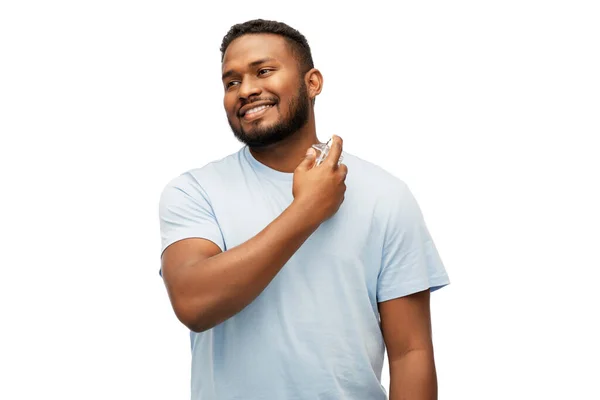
{"x":488,"y":110}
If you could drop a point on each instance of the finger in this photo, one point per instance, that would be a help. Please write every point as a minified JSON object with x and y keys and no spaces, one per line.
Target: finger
{"x":343,"y":169}
{"x":308,"y":160}
{"x":334,"y":153}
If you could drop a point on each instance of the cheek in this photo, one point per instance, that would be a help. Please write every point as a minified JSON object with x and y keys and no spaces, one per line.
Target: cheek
{"x":286,"y":103}
{"x":229,"y":105}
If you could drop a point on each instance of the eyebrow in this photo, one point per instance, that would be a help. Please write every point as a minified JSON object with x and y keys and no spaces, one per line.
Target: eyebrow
{"x":253,"y":64}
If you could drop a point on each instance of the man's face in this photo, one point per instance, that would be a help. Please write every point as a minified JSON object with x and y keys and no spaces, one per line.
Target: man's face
{"x":266,"y":99}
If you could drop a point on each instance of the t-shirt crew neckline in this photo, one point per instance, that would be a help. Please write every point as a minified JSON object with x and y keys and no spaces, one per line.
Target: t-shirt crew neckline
{"x":264,"y":170}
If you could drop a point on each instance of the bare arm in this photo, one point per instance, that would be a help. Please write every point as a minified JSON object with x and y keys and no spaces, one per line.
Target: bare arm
{"x":207,"y":286}
{"x":207,"y":290}
{"x":406,"y":325}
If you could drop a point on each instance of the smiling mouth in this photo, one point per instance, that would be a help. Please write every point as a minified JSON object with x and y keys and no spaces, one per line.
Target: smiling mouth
{"x":256,"y":112}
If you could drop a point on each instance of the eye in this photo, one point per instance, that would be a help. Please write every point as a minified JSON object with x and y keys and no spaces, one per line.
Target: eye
{"x":230,"y":84}
{"x":263,"y":71}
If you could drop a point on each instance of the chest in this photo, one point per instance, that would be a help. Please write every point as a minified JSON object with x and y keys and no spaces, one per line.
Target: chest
{"x":346,"y":246}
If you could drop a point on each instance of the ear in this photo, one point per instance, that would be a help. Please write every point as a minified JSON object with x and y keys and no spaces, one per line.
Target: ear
{"x":314,"y":83}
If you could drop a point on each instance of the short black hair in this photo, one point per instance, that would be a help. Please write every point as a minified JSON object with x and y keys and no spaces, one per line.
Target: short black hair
{"x":297,"y":41}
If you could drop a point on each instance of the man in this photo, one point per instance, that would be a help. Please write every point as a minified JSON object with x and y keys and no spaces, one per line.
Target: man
{"x":292,"y":277}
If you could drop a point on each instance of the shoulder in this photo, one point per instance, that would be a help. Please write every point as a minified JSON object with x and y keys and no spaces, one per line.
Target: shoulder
{"x":214,"y":171}
{"x":368,"y":176}
{"x":196,"y":183}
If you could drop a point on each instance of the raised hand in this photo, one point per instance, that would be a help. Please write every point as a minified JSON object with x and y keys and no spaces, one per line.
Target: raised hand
{"x":320,"y":189}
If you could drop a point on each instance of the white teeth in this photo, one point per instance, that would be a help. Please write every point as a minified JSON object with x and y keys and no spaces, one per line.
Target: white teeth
{"x":256,"y":109}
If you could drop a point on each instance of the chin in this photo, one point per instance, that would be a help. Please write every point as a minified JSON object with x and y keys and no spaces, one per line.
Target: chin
{"x":257,"y":127}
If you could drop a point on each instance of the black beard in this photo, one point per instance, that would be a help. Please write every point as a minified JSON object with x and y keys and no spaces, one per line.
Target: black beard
{"x":263,"y":137}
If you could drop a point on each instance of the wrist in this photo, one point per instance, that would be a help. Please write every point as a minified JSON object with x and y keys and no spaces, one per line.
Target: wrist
{"x":304,"y":211}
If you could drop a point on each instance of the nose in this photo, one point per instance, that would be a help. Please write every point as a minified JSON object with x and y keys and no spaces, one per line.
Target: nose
{"x":249,"y":87}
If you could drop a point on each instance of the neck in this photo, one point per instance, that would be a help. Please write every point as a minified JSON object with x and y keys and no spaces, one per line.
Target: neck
{"x":285,"y":156}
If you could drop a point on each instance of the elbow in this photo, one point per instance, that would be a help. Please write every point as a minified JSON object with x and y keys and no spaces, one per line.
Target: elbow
{"x":198,"y":328}
{"x":195,"y":324}
{"x":193,"y":316}
{"x":200,"y":325}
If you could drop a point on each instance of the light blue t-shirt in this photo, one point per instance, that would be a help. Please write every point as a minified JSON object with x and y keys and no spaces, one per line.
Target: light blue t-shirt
{"x":314,"y":332}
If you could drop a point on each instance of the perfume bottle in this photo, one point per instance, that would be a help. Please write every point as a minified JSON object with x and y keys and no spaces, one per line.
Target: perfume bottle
{"x":323,"y":150}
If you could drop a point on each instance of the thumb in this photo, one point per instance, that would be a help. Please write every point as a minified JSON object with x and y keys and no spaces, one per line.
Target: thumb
{"x":308,"y":160}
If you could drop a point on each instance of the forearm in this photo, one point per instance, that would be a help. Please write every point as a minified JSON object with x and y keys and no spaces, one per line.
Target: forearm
{"x":223,"y":285}
{"x":413,"y":376}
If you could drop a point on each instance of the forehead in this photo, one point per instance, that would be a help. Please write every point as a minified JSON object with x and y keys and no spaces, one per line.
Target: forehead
{"x":251,"y":47}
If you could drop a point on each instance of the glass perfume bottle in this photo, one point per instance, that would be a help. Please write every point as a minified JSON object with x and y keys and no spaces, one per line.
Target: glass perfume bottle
{"x":322,"y":151}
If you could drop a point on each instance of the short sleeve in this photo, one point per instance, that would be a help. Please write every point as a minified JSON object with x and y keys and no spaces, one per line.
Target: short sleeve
{"x":185,"y":212}
{"x":410,"y":260}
